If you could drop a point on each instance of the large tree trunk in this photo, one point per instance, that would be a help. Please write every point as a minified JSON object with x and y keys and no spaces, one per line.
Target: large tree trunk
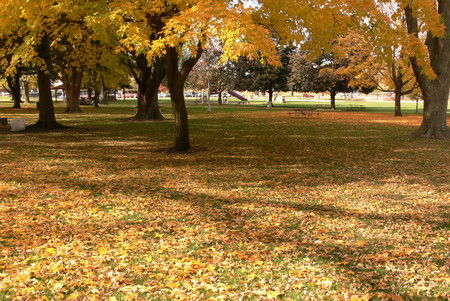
{"x":47,"y":119}
{"x":434,"y":124}
{"x":14,"y":89}
{"x":219,"y":97}
{"x":142,"y":87}
{"x":149,"y":79}
{"x":435,"y":91}
{"x":151,"y":107}
{"x":72,"y":84}
{"x":333,"y":100}
{"x":96,"y":98}
{"x":182,"y":142}
{"x":270,"y":103}
{"x":26,"y":90}
{"x":89,"y":93}
{"x":176,"y":78}
{"x":398,"y":103}
{"x":103,"y":97}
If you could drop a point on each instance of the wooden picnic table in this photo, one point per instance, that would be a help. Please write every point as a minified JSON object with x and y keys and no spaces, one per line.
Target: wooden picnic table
{"x":356,"y":108}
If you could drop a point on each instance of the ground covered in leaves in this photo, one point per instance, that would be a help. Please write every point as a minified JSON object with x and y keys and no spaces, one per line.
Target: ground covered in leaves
{"x":345,"y":206}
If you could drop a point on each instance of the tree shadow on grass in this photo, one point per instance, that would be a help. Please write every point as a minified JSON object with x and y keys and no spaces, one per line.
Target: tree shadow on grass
{"x":361,"y":260}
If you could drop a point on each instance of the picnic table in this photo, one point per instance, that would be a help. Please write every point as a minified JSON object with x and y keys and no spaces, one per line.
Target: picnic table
{"x":356,"y":108}
{"x":304,"y":113}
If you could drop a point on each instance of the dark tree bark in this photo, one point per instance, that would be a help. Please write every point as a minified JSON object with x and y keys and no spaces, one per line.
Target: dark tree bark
{"x":47,"y":119}
{"x":333,"y":100}
{"x":176,"y":77}
{"x":435,"y":90}
{"x":149,"y":79}
{"x":103,"y":97}
{"x":89,"y":92}
{"x":26,"y":90}
{"x":270,"y":103}
{"x":96,"y":98}
{"x":140,"y":100}
{"x":14,"y":89}
{"x":150,"y":108}
{"x":220,"y":98}
{"x":398,"y":103}
{"x":72,"y":80}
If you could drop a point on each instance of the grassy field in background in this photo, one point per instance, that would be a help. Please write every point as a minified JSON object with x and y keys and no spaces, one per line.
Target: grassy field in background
{"x":342,"y":206}
{"x":369,"y":106}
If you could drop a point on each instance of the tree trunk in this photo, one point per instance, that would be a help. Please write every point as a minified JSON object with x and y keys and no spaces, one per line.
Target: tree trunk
{"x":270,"y":103}
{"x":96,"y":98}
{"x":151,"y":105}
{"x":434,"y":124}
{"x":398,"y":103}
{"x":47,"y":119}
{"x":182,"y":142}
{"x":149,"y":79}
{"x":435,"y":91}
{"x":208,"y":99}
{"x":176,"y":78}
{"x":26,"y":90}
{"x":142,"y":88}
{"x":219,"y":97}
{"x":333,"y":100}
{"x":72,"y":84}
{"x":103,"y":99}
{"x":89,"y":92}
{"x":14,"y":89}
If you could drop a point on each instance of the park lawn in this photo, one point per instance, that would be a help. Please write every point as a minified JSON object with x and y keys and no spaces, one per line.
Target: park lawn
{"x":264,"y":207}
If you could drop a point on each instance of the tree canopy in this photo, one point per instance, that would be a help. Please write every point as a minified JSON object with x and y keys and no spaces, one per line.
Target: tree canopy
{"x":70,"y":39}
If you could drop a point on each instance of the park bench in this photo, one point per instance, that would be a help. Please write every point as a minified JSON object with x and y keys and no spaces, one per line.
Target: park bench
{"x":322,"y":107}
{"x":304,"y":113}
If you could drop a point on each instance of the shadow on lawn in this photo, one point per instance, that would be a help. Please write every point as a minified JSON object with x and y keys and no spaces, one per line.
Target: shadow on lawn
{"x":362,"y":261}
{"x":124,"y":159}
{"x":319,"y":154}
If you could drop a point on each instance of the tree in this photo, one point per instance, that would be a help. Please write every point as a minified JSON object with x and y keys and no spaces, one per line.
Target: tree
{"x":386,"y":67}
{"x":148,"y":78}
{"x":426,"y":42}
{"x":188,"y":27}
{"x":49,"y":30}
{"x":12,"y":76}
{"x":324,"y":74}
{"x":252,"y":75}
{"x":209,"y":74}
{"x":142,"y":23}
{"x":14,"y":89}
{"x":435,"y":87}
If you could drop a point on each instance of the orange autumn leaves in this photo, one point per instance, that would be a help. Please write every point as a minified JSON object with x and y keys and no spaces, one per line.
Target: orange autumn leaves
{"x":120,"y":220}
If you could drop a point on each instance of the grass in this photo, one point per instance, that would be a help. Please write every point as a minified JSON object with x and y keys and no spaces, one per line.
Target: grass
{"x":269,"y":207}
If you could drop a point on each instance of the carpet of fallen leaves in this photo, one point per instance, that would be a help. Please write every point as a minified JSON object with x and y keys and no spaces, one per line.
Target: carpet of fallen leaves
{"x":346,"y":206}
